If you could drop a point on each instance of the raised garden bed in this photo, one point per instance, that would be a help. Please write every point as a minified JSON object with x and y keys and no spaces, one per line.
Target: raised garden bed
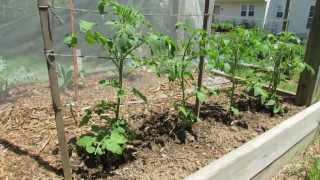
{"x":159,"y":151}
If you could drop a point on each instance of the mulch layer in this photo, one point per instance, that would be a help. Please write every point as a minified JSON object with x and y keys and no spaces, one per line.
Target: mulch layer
{"x":29,"y":147}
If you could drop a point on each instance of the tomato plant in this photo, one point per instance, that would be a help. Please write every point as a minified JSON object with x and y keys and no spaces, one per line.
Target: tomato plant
{"x":227,"y":52}
{"x":176,"y":61}
{"x":286,"y":57}
{"x":126,"y":24}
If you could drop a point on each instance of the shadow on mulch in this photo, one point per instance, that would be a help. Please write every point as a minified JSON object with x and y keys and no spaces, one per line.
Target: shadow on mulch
{"x":18,"y":150}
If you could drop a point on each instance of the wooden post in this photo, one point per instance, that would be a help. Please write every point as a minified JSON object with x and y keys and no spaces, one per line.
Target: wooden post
{"x":309,"y":83}
{"x":74,"y":52}
{"x":201,"y":62}
{"x":176,"y":11}
{"x":43,"y":6}
{"x":286,"y":15}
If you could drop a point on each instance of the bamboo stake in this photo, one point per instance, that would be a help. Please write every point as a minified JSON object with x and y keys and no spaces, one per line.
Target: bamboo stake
{"x":202,"y":58}
{"x":74,"y":52}
{"x":43,"y":6}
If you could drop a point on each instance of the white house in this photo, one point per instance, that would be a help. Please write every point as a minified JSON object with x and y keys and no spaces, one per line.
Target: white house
{"x":272,"y":15}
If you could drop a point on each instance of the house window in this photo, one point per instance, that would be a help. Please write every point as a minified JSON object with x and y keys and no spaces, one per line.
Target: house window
{"x":251,"y":10}
{"x":279,"y":11}
{"x":247,"y":10}
{"x":217,"y":10}
{"x":244,"y":9}
{"x":310,"y":17}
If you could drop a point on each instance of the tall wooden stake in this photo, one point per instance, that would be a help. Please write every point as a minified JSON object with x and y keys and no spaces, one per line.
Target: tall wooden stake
{"x":201,"y":62}
{"x":74,"y":52}
{"x":286,"y":15}
{"x":175,"y":10}
{"x":308,"y":89}
{"x":43,"y":6}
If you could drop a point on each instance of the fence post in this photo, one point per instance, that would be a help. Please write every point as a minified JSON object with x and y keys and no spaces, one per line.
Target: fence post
{"x":43,"y":6}
{"x":309,"y":83}
{"x":202,"y":58}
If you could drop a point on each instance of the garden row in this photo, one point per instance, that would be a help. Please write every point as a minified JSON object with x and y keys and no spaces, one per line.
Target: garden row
{"x":176,"y":59}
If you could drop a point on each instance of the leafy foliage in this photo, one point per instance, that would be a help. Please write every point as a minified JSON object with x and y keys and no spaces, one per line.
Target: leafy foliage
{"x":177,"y":64}
{"x":110,"y":138}
{"x":314,"y":171}
{"x":226,"y":53}
{"x":282,"y":54}
{"x":224,"y":26}
{"x":286,"y":54}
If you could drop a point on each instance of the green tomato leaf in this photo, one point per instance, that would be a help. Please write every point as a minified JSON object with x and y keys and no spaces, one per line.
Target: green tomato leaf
{"x":118,"y":138}
{"x":70,"y":40}
{"x":86,"y":26}
{"x":139,"y":94}
{"x":111,"y":146}
{"x":271,"y":102}
{"x":234,"y":111}
{"x":91,"y":37}
{"x":201,"y":95}
{"x":98,"y":151}
{"x":183,"y":110}
{"x":86,"y":141}
{"x":90,"y":149}
{"x":257,"y":91}
{"x":102,"y":39}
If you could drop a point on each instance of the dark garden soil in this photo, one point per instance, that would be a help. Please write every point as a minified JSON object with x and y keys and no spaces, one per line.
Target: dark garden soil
{"x":29,"y":147}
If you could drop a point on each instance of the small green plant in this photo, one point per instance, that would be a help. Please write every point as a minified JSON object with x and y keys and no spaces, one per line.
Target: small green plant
{"x":120,"y":45}
{"x":235,"y":48}
{"x":65,"y":76}
{"x":178,"y":66}
{"x":224,"y":26}
{"x":314,"y":172}
{"x":109,"y":138}
{"x":265,"y":98}
{"x":286,"y":54}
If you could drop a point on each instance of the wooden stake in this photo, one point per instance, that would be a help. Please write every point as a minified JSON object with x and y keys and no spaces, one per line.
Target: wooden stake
{"x":43,"y":6}
{"x":308,"y":89}
{"x":74,"y":53}
{"x":201,"y":62}
{"x":286,"y":15}
{"x":176,"y":11}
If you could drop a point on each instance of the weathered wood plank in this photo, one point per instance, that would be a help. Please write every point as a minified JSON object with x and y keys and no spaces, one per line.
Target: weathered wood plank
{"x":275,"y":167}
